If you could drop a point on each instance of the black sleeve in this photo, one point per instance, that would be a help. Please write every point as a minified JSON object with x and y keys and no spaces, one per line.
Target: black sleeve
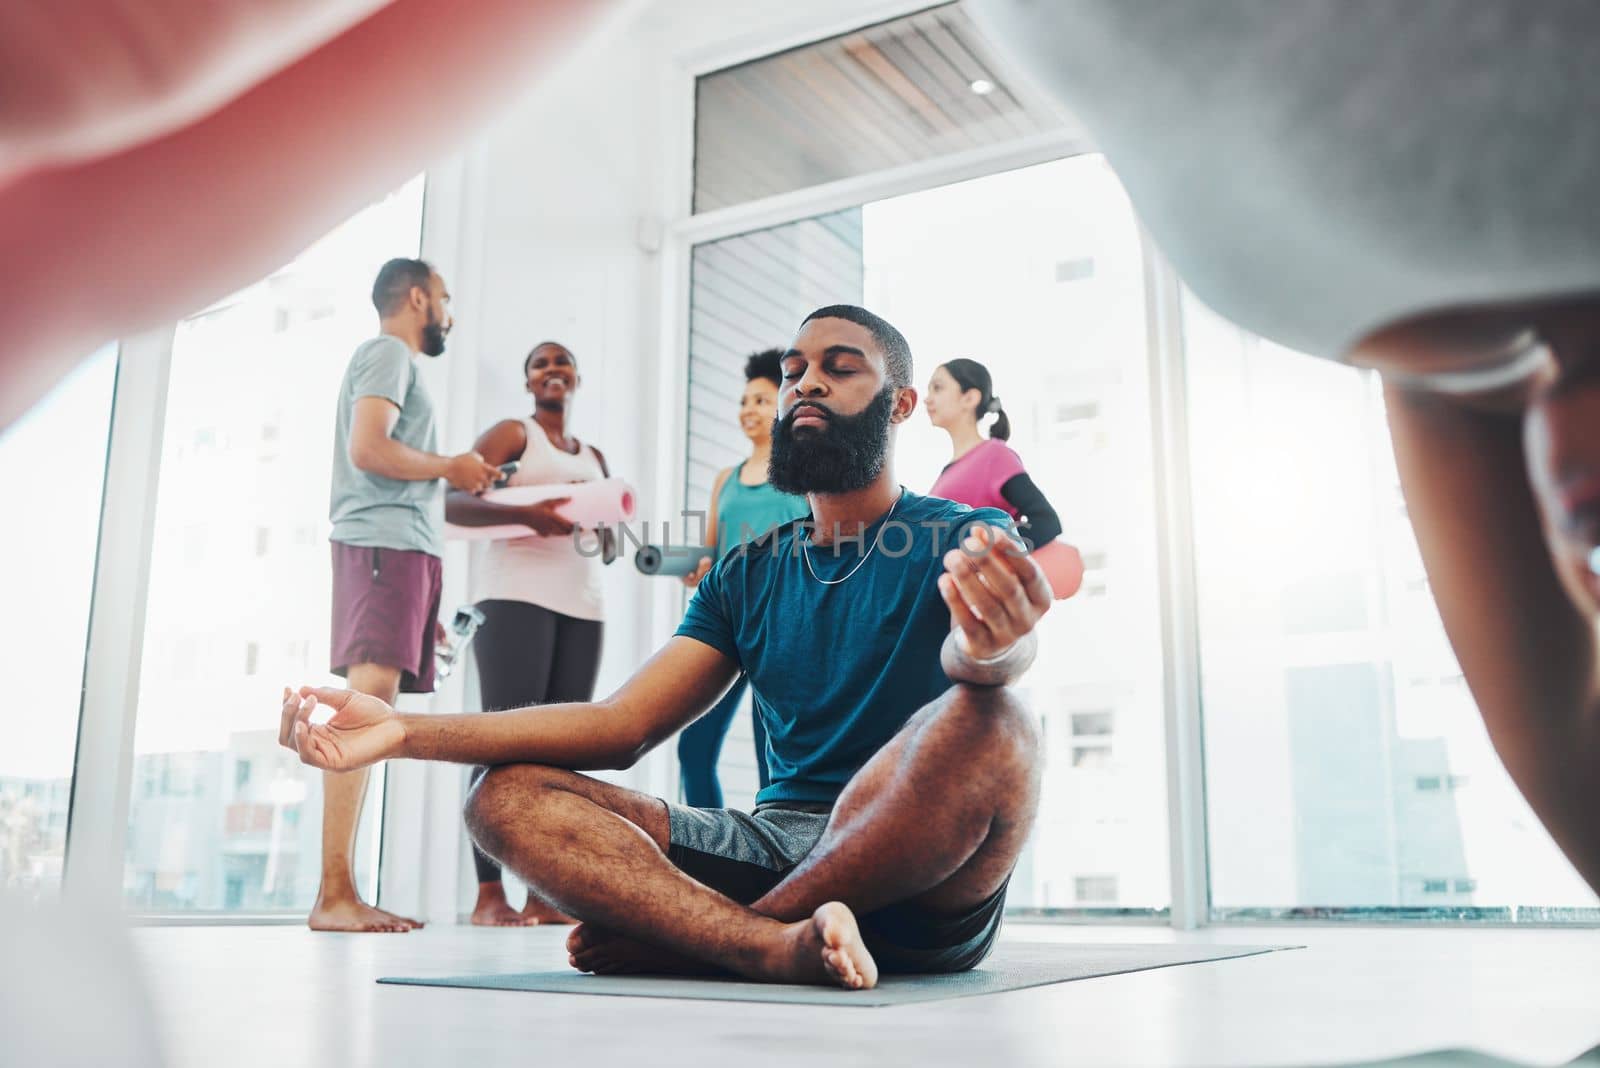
{"x":1041,"y":524}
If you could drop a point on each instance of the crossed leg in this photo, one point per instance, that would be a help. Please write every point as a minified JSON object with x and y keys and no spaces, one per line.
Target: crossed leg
{"x":938,"y":816}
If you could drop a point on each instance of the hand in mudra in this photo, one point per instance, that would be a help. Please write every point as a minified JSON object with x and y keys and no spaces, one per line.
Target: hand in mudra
{"x":363,"y":730}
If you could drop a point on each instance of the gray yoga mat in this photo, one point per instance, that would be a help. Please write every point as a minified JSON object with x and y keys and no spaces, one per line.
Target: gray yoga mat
{"x":674,"y":561}
{"x":1466,"y":1058}
{"x":1012,"y":966}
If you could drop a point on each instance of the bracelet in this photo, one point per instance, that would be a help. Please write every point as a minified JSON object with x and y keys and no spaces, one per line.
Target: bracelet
{"x":989,"y":661}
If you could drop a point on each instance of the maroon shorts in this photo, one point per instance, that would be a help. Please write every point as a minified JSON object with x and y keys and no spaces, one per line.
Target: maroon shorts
{"x":385,"y":605}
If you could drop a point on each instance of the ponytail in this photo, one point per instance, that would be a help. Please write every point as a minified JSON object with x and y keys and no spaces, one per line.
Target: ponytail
{"x":1001,"y":429}
{"x":970,"y":374}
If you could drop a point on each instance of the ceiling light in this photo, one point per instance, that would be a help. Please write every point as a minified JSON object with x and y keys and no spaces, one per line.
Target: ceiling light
{"x":982,"y":86}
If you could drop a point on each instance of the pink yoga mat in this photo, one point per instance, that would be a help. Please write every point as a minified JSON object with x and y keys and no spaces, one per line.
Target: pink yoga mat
{"x":607,"y":500}
{"x":1063,"y":566}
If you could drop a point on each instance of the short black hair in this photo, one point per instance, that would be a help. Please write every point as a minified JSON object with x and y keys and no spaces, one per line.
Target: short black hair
{"x":896,"y":352}
{"x":766,"y":364}
{"x":526,"y":360}
{"x":395,"y":281}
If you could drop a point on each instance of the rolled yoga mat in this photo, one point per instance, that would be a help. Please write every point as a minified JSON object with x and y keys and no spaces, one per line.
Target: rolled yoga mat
{"x":1063,"y":566}
{"x":606,"y":500}
{"x":674,"y":561}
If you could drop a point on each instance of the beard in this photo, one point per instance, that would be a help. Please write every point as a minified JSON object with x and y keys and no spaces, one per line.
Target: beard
{"x":433,"y":337}
{"x":842,"y":456}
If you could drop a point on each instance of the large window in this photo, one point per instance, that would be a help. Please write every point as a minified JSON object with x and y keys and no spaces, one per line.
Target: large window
{"x":1036,"y":273}
{"x":1347,"y":767}
{"x":1329,"y":759}
{"x":54,"y":459}
{"x":220,"y":817}
{"x":1347,"y":771}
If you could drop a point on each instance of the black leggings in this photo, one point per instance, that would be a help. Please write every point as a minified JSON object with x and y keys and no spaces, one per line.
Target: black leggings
{"x":529,"y":655}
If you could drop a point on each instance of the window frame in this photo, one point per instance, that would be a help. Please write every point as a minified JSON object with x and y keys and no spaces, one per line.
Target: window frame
{"x":1188,"y":877}
{"x":420,"y":854}
{"x":97,"y":819}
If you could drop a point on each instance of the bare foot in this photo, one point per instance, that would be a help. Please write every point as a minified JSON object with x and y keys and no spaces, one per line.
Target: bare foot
{"x":592,"y":949}
{"x":500,"y":914}
{"x":415,"y":925}
{"x":537,"y":911}
{"x":352,"y":914}
{"x":828,"y":949}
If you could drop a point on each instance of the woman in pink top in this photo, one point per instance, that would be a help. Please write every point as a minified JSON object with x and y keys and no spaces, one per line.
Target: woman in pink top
{"x":985,"y":472}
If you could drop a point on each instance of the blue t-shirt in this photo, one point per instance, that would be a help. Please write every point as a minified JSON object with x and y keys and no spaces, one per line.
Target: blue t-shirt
{"x":835,"y":670}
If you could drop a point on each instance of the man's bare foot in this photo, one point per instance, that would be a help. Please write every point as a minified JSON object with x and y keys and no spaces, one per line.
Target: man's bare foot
{"x":593,"y":949}
{"x":352,"y":914}
{"x":500,"y":914}
{"x":415,"y":925}
{"x":492,"y":909}
{"x":537,"y":911}
{"x":395,"y":917}
{"x":827,"y":949}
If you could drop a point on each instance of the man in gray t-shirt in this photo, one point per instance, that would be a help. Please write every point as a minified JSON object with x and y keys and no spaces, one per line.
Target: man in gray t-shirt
{"x":372,"y":509}
{"x":387,"y":507}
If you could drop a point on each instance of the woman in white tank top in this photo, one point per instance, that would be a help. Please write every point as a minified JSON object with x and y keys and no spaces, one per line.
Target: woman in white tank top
{"x":541,"y":597}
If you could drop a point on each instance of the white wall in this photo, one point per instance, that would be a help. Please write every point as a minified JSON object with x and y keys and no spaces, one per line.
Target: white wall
{"x":550,"y":225}
{"x":564,"y":203}
{"x":565,"y":182}
{"x":709,"y":34}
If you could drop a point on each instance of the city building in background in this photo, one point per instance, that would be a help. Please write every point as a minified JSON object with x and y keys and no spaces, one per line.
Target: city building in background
{"x":1038,"y":274}
{"x":220,"y":817}
{"x":1347,"y":767}
{"x":50,"y":541}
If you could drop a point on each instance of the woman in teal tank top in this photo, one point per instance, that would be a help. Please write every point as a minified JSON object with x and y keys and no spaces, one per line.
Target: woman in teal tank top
{"x":745,"y":512}
{"x":743,"y":506}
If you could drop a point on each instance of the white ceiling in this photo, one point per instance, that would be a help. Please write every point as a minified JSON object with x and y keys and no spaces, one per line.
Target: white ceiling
{"x":883,"y":96}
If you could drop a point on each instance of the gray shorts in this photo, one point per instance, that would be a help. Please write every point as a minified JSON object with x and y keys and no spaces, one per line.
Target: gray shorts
{"x":746,"y":854}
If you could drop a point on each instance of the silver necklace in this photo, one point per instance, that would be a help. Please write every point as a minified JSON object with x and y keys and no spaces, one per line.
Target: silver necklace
{"x":806,"y":547}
